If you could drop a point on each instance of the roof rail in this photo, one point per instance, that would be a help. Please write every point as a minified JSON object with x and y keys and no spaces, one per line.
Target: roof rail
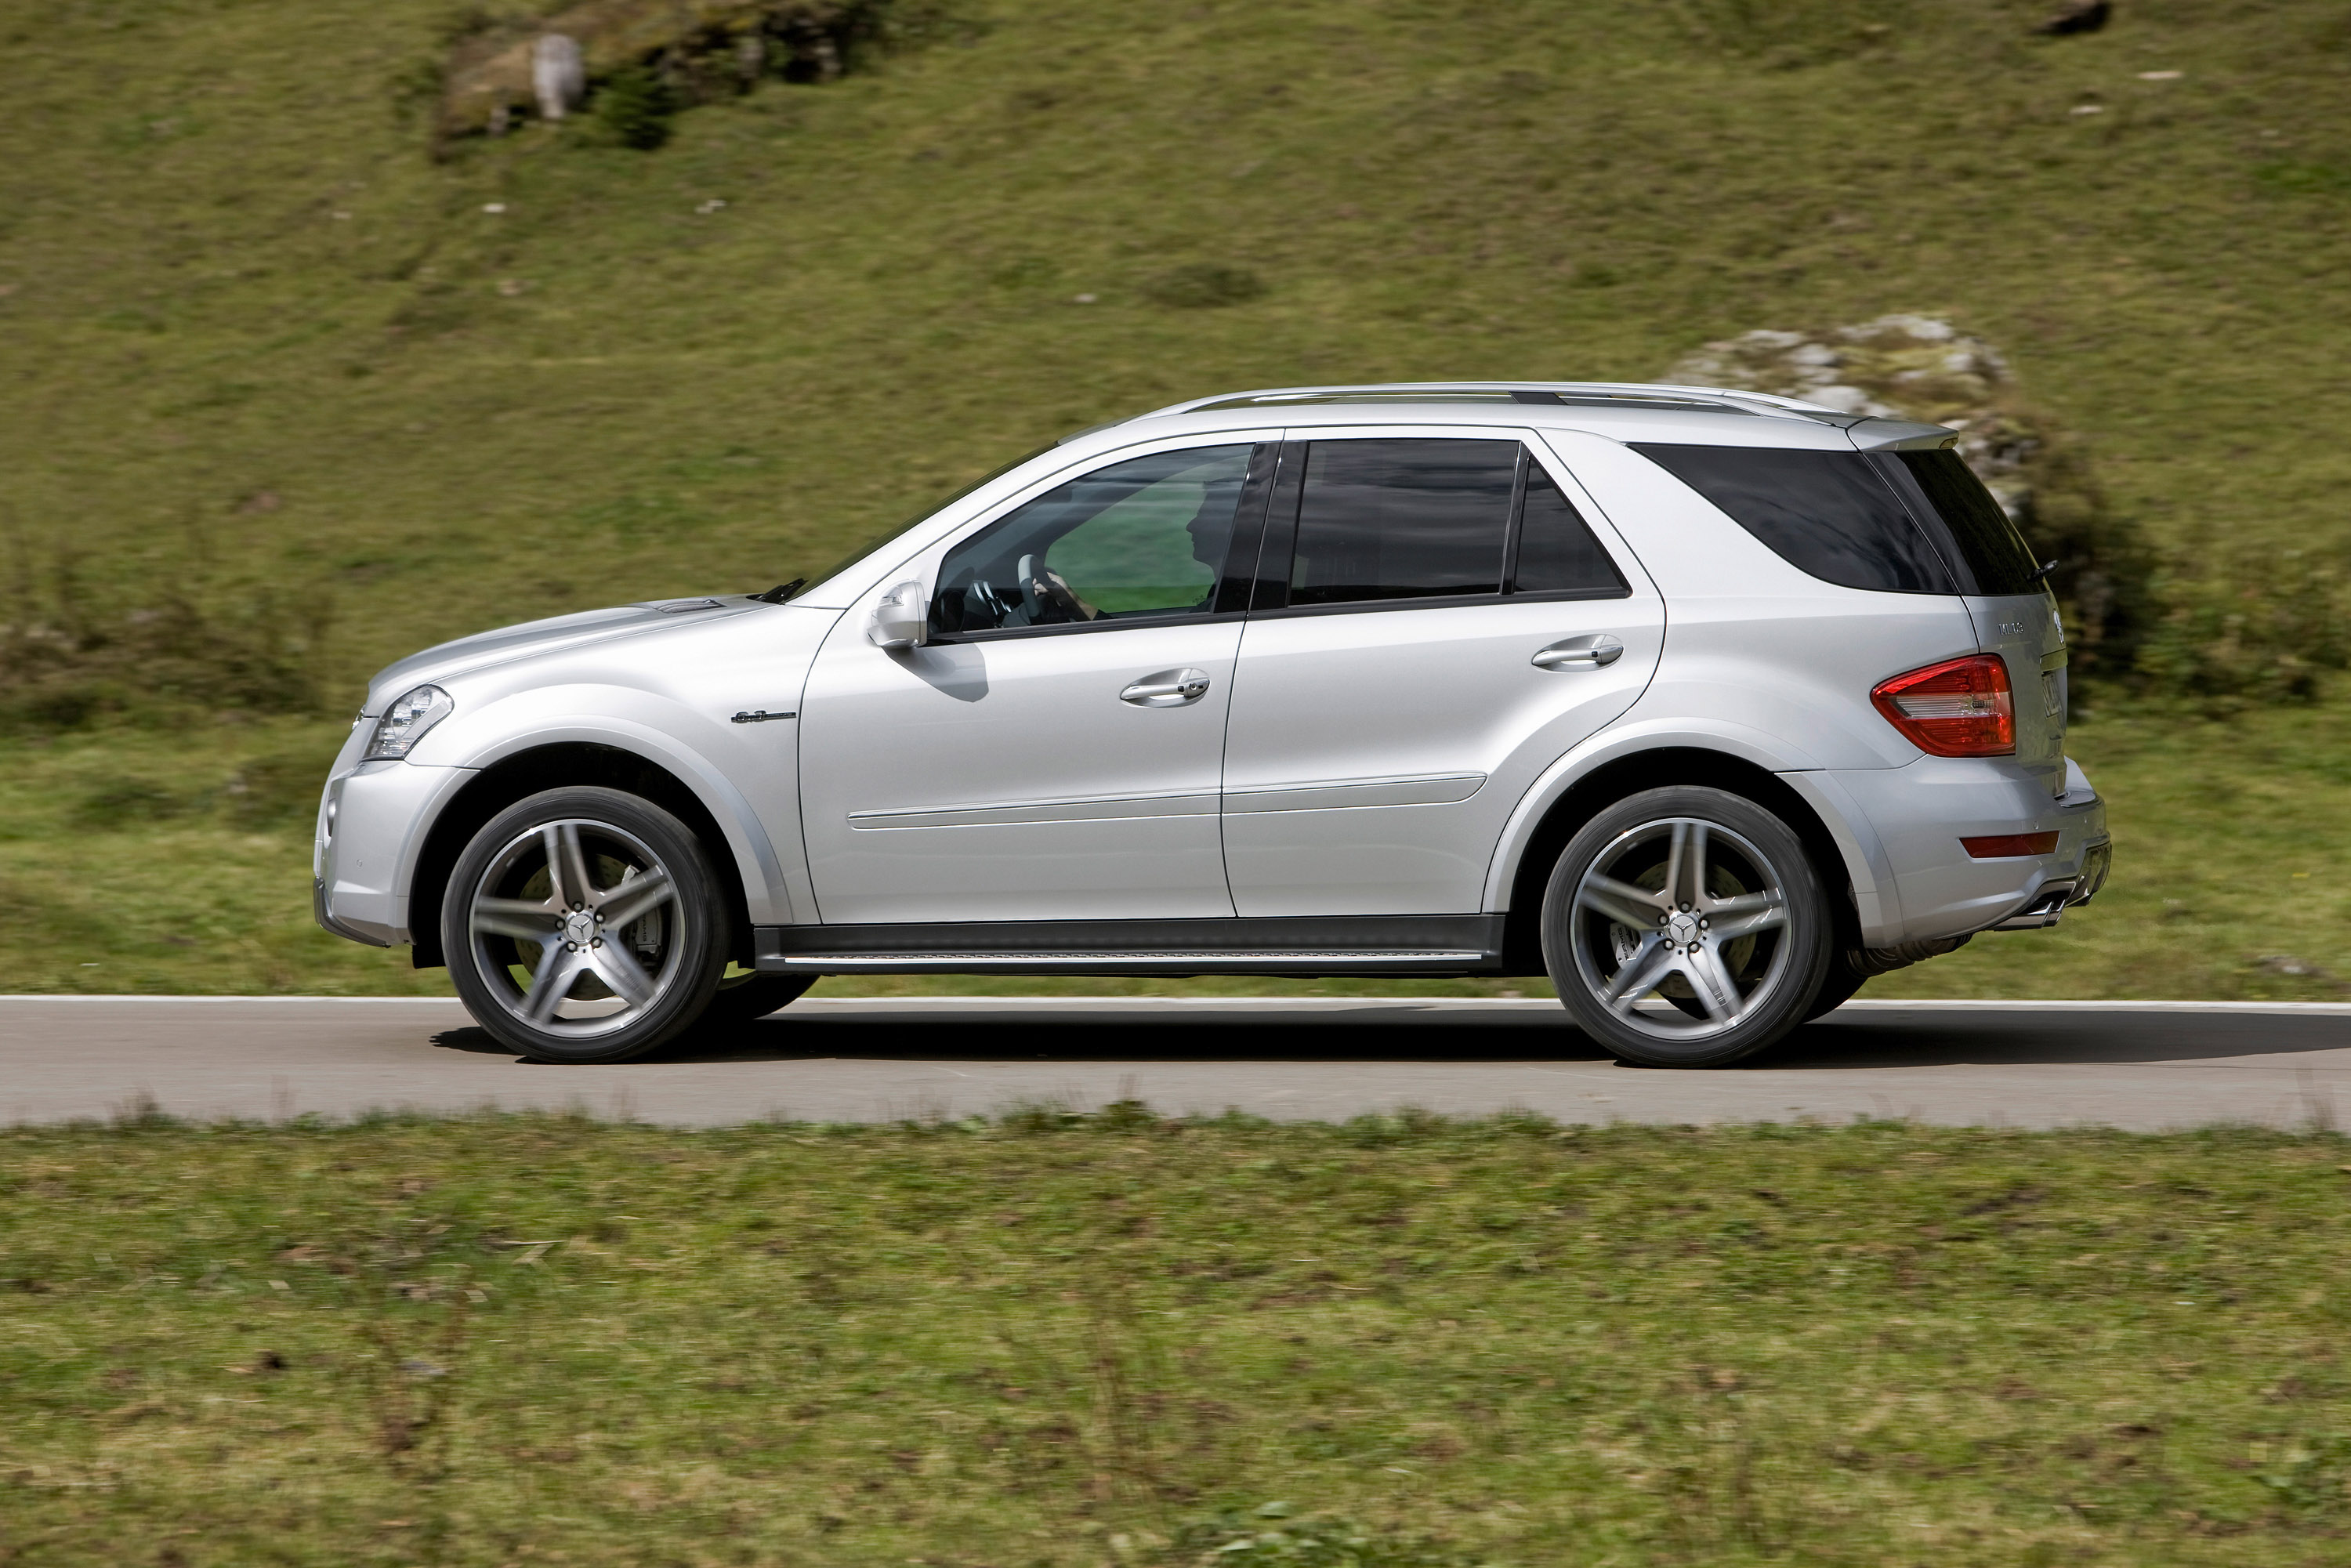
{"x":1584,"y":393}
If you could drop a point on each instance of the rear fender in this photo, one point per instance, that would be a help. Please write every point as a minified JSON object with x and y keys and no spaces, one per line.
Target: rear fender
{"x":1839,"y":833}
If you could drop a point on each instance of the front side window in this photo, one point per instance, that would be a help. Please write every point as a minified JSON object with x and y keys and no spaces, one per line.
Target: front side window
{"x":1144,"y":539}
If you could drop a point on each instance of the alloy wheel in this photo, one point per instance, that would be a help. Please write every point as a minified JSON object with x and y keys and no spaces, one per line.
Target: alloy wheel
{"x":1678,"y":928}
{"x":574,"y":927}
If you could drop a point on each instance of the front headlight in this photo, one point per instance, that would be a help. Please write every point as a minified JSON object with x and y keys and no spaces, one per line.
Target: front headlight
{"x":403,"y":723}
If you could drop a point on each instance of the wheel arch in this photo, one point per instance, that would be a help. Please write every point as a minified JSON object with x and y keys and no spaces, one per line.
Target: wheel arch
{"x":1522,"y":881}
{"x":526,"y":773}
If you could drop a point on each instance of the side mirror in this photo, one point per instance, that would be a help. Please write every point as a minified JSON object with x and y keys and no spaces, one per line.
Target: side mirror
{"x":902,"y":620}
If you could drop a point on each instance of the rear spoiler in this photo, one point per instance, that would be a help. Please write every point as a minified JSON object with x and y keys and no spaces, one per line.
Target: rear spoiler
{"x":1900,"y":435}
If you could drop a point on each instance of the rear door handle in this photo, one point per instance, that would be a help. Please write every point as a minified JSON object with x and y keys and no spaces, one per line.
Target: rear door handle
{"x":1579,"y":653}
{"x":1169,"y":688}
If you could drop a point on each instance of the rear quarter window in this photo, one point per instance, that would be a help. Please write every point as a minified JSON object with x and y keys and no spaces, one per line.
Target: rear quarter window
{"x":1961,"y":517}
{"x":1829,"y":514}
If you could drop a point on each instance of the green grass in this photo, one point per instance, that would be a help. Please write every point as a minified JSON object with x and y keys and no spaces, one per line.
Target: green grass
{"x":678,"y":399}
{"x":128,"y":865}
{"x":1060,"y":1340}
{"x":266,"y":359}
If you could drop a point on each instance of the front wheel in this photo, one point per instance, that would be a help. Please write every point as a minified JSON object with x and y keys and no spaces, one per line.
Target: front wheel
{"x":584,"y":925}
{"x":744,"y":998}
{"x":1685,"y":927}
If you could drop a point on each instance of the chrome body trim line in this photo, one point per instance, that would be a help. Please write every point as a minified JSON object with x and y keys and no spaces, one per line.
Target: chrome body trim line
{"x":1426,"y":789}
{"x":1109,"y":809}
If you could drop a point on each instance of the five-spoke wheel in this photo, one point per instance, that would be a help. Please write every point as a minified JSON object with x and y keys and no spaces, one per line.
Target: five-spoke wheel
{"x":582,"y":925}
{"x":1684,"y":926}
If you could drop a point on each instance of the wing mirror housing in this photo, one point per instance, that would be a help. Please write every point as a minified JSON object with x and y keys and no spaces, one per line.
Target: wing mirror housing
{"x":902,"y":620}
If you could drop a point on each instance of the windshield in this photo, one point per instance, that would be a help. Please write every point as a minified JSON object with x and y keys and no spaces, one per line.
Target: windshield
{"x":817,"y":580}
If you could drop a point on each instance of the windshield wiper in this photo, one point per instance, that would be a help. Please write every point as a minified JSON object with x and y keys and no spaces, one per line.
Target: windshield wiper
{"x":781,"y":591}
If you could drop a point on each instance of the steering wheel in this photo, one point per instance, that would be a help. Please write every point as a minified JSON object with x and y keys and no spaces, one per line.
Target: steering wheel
{"x":1042,"y":590}
{"x":1032,"y":594}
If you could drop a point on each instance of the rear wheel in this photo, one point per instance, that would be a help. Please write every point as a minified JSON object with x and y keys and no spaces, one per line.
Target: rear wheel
{"x":1837,"y":987}
{"x":584,"y":925}
{"x":1685,"y":927}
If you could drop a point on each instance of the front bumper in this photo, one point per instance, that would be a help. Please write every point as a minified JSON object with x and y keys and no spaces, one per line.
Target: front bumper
{"x":373,"y":822}
{"x":319,"y":912}
{"x":1920,"y":812}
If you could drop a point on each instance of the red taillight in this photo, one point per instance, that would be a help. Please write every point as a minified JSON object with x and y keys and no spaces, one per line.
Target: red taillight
{"x":1960,"y":707}
{"x":2006,"y":846}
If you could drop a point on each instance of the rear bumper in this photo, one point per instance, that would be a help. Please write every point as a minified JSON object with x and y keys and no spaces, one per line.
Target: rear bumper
{"x":2061,"y":893}
{"x":1919,"y":813}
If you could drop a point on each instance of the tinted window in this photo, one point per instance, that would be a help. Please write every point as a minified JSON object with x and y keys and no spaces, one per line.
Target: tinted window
{"x":1556,"y":550}
{"x":1143,"y":537}
{"x":1831,"y":513}
{"x":1963,"y":519}
{"x":1402,"y":519}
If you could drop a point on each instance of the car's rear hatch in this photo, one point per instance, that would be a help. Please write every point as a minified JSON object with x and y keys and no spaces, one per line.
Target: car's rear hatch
{"x":2015,"y":614}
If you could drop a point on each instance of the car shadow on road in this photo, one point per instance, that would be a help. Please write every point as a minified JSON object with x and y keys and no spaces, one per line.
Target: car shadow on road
{"x":1874,"y":1039}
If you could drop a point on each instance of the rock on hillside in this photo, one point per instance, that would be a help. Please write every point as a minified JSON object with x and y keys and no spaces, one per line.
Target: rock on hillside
{"x":1897,"y":367}
{"x":1917,"y":367}
{"x":702,"y":48}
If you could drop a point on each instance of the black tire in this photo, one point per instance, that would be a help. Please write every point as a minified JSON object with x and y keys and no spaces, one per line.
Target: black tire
{"x":1837,"y":987}
{"x":746,"y":997}
{"x":1761,"y":957}
{"x":512,"y":909}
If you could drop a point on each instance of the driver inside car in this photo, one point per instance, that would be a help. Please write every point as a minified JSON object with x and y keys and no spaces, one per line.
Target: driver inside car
{"x":1207,"y":528}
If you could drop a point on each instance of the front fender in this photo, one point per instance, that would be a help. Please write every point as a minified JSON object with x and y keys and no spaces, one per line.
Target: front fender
{"x":694,"y":746}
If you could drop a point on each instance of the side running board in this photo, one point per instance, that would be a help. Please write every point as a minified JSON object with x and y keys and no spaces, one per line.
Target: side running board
{"x":1310,"y":944}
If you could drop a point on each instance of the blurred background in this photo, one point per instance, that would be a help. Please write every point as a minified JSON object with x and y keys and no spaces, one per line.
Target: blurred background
{"x":333,"y":329}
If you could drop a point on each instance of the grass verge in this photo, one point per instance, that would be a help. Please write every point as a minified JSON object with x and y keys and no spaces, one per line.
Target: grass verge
{"x":162,"y":863}
{"x":1054,"y":1339}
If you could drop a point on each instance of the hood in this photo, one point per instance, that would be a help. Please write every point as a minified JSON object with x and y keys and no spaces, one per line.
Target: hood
{"x":535,"y":637}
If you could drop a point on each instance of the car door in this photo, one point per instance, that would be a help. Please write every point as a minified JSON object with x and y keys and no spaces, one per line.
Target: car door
{"x":1433,"y":623}
{"x":1053,"y":751}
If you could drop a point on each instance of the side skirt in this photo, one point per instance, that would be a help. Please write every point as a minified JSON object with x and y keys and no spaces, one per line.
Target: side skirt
{"x":1307,"y":944}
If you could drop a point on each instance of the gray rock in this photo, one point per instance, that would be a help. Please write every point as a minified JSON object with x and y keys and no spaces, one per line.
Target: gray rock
{"x":559,"y":75}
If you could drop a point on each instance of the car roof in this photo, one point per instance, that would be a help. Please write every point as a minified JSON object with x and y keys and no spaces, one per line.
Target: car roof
{"x":1621,"y":411}
{"x":1647,"y":395}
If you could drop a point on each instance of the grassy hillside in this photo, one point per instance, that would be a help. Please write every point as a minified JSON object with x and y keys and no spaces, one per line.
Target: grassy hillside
{"x":265,"y":363}
{"x":1122,"y":1341}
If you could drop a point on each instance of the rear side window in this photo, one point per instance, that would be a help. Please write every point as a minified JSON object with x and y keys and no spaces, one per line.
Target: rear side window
{"x":1557,"y":553}
{"x":1428,"y":518}
{"x":1830,"y":514}
{"x":1402,"y":519}
{"x":1962,"y":517}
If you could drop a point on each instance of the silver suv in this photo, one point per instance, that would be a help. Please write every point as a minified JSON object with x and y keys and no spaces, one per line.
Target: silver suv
{"x":1706,"y":705}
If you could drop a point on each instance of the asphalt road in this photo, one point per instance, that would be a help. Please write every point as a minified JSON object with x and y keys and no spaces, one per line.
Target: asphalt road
{"x":2023,"y":1064}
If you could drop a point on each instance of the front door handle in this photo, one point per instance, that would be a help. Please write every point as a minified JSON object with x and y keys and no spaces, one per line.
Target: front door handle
{"x":1579,"y":653}
{"x":1169,"y":688}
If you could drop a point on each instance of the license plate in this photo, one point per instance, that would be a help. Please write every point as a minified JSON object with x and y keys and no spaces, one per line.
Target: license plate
{"x":2053,"y":694}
